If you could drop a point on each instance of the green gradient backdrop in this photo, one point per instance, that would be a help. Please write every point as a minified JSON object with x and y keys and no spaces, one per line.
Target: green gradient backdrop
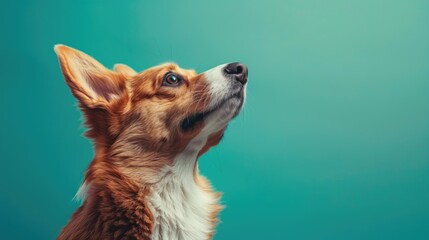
{"x":333,"y":142}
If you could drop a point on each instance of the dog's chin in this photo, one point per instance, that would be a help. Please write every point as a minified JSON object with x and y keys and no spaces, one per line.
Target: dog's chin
{"x":222,"y":112}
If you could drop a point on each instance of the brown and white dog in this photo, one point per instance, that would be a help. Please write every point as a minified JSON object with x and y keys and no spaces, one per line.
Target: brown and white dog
{"x":149,"y":129}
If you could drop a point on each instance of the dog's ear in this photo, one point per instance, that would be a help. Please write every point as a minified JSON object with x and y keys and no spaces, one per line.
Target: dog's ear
{"x":125,"y":70}
{"x":90,"y":82}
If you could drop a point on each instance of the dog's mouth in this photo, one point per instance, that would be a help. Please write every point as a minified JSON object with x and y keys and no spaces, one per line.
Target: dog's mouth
{"x":191,"y":121}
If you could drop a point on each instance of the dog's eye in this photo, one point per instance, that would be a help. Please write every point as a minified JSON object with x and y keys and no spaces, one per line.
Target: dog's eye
{"x":171,"y":80}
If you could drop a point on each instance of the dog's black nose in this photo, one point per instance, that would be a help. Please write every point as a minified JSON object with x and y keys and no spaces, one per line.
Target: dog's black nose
{"x":238,"y":71}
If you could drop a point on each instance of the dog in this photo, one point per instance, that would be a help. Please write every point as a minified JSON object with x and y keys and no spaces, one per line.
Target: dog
{"x":149,"y":129}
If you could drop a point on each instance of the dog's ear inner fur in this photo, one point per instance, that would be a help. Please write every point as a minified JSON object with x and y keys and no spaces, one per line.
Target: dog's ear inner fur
{"x":90,"y":82}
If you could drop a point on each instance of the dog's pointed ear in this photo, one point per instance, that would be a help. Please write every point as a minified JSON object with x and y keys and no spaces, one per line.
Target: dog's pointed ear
{"x":90,"y":82}
{"x":124,"y":69}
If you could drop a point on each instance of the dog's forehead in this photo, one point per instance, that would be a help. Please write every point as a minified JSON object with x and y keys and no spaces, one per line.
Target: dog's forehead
{"x":169,"y":67}
{"x":185,"y":72}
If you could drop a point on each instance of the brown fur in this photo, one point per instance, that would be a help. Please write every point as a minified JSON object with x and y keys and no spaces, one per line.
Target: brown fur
{"x":133,"y":123}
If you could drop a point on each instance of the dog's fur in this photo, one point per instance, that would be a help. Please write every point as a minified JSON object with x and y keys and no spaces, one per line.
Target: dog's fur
{"x":143,"y":182}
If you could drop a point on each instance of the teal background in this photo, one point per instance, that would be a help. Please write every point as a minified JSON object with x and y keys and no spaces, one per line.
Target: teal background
{"x":332,"y":144}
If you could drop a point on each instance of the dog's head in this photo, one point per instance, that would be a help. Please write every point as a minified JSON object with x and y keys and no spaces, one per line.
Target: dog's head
{"x":159,"y":110}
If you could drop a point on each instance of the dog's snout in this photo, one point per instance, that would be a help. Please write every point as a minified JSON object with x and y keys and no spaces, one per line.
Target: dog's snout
{"x":238,"y":71}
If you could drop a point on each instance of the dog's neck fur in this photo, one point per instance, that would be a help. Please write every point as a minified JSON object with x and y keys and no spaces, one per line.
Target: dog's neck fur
{"x":176,"y":204}
{"x":182,"y":202}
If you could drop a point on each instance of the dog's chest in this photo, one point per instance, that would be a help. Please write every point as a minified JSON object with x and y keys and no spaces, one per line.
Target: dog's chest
{"x":181,"y":209}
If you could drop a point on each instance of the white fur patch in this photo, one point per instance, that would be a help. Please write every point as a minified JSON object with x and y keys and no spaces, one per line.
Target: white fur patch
{"x":82,"y":192}
{"x":180,"y":207}
{"x":218,"y":84}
